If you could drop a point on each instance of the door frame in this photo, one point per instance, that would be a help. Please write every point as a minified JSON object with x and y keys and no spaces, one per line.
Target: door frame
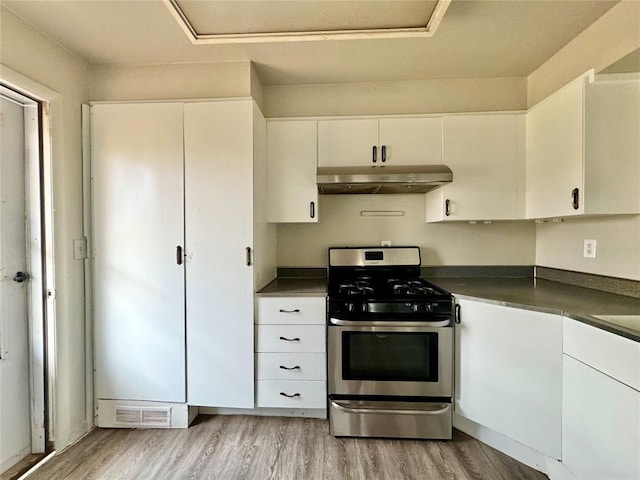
{"x":40,"y":250}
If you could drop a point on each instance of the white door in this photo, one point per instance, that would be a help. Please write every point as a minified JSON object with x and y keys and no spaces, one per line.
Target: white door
{"x":15,"y":430}
{"x":411,"y":141}
{"x":555,"y":153}
{"x":292,"y":156}
{"x":344,"y":143}
{"x":486,"y":154}
{"x":138,"y":225}
{"x":219,"y":230}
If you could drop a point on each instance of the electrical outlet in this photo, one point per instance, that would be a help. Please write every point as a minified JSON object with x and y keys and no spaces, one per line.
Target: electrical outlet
{"x":385,"y":243}
{"x":589,"y":249}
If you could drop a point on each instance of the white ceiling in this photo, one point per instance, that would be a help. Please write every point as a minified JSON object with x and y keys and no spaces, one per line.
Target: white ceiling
{"x":477,"y":38}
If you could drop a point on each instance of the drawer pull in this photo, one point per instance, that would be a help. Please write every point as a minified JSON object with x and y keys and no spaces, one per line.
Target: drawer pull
{"x":297,"y":367}
{"x":297,"y":310}
{"x":290,"y":339}
{"x":290,"y":396}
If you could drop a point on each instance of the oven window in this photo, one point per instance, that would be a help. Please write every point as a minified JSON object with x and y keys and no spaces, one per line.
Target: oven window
{"x":408,"y":357}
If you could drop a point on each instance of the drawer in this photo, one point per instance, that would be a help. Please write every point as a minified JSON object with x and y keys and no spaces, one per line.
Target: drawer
{"x":303,"y":394}
{"x":290,"y":338}
{"x":292,"y":310}
{"x":291,"y":366}
{"x":607,"y":352}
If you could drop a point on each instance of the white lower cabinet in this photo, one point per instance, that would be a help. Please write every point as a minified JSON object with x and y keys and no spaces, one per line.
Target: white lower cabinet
{"x":601,"y":413}
{"x":291,"y":357}
{"x":509,"y":373}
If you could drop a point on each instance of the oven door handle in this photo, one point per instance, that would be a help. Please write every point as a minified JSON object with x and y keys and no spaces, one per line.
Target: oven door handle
{"x":343,"y":408}
{"x":388,"y":323}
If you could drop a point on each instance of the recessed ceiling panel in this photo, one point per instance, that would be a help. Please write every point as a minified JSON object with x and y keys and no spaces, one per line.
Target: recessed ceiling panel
{"x":256,"y":21}
{"x":214,"y":17}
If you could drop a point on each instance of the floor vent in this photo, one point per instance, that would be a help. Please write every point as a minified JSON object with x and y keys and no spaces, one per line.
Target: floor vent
{"x":132,"y":416}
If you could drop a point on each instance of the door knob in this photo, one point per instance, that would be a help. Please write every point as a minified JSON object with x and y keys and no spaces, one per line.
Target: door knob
{"x":20,"y":277}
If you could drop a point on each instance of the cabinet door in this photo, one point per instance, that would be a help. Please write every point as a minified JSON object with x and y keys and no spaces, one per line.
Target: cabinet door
{"x":137,"y":188}
{"x":411,"y":141}
{"x":509,"y":373}
{"x":486,"y":154}
{"x":218,"y":225}
{"x":292,"y":161}
{"x":600,"y":424}
{"x":347,"y":142}
{"x":555,"y":146}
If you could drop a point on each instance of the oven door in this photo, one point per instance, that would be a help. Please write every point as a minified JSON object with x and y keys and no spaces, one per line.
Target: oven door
{"x":384,"y":358}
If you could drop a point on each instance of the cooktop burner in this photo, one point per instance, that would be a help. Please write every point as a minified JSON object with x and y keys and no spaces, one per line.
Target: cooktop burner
{"x":370,"y":283}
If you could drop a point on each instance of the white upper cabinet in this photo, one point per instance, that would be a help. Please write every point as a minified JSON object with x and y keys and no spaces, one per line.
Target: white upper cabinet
{"x":347,"y":142}
{"x":410,"y":141}
{"x":292,"y":158}
{"x":582,"y":149}
{"x":486,"y":155}
{"x":373,"y":142}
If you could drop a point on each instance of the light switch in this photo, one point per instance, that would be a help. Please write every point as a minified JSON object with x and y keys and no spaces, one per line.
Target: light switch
{"x":80,"y":248}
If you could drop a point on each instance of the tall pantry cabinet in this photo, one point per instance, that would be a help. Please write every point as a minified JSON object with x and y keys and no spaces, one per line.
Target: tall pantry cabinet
{"x":180,"y":245}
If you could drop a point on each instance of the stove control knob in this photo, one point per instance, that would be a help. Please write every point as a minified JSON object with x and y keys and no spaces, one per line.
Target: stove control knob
{"x":430,"y":306}
{"x":364,"y":307}
{"x":350,"y":307}
{"x":415,"y":307}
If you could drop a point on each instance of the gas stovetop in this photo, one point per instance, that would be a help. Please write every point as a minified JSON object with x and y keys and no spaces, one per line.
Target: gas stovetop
{"x":369,"y":282}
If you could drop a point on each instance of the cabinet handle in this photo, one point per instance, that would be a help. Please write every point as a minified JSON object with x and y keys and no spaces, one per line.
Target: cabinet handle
{"x":447,"y":207}
{"x":297,"y":367}
{"x":297,"y":310}
{"x":290,"y":396}
{"x":179,"y":255}
{"x":575,"y":198}
{"x":248,"y":259}
{"x":384,"y":153}
{"x":375,"y":154}
{"x":312,"y":209}
{"x":457,"y":315}
{"x":290,"y":339}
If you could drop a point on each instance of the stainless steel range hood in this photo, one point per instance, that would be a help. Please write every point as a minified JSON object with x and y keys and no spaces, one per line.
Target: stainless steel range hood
{"x":383,"y":179}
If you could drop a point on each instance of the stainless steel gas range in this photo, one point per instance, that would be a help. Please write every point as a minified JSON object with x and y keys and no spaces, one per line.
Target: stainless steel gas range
{"x":390,"y":346}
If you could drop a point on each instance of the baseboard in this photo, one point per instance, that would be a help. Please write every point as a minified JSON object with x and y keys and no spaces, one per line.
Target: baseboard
{"x":552,"y":467}
{"x":267,"y":412}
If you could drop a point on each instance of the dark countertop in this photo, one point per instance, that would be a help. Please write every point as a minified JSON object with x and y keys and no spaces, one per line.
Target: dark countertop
{"x":533,"y":294}
{"x":292,"y":287}
{"x":546,"y":296}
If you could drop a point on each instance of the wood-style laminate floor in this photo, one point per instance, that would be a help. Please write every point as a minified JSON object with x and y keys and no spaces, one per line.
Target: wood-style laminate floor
{"x":246,"y":447}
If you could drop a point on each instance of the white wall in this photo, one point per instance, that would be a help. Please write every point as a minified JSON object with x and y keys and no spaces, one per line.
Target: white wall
{"x":560,"y":245}
{"x":175,"y":81}
{"x":442,"y":244}
{"x":614,"y":35}
{"x":29,"y":53}
{"x":382,"y":98}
